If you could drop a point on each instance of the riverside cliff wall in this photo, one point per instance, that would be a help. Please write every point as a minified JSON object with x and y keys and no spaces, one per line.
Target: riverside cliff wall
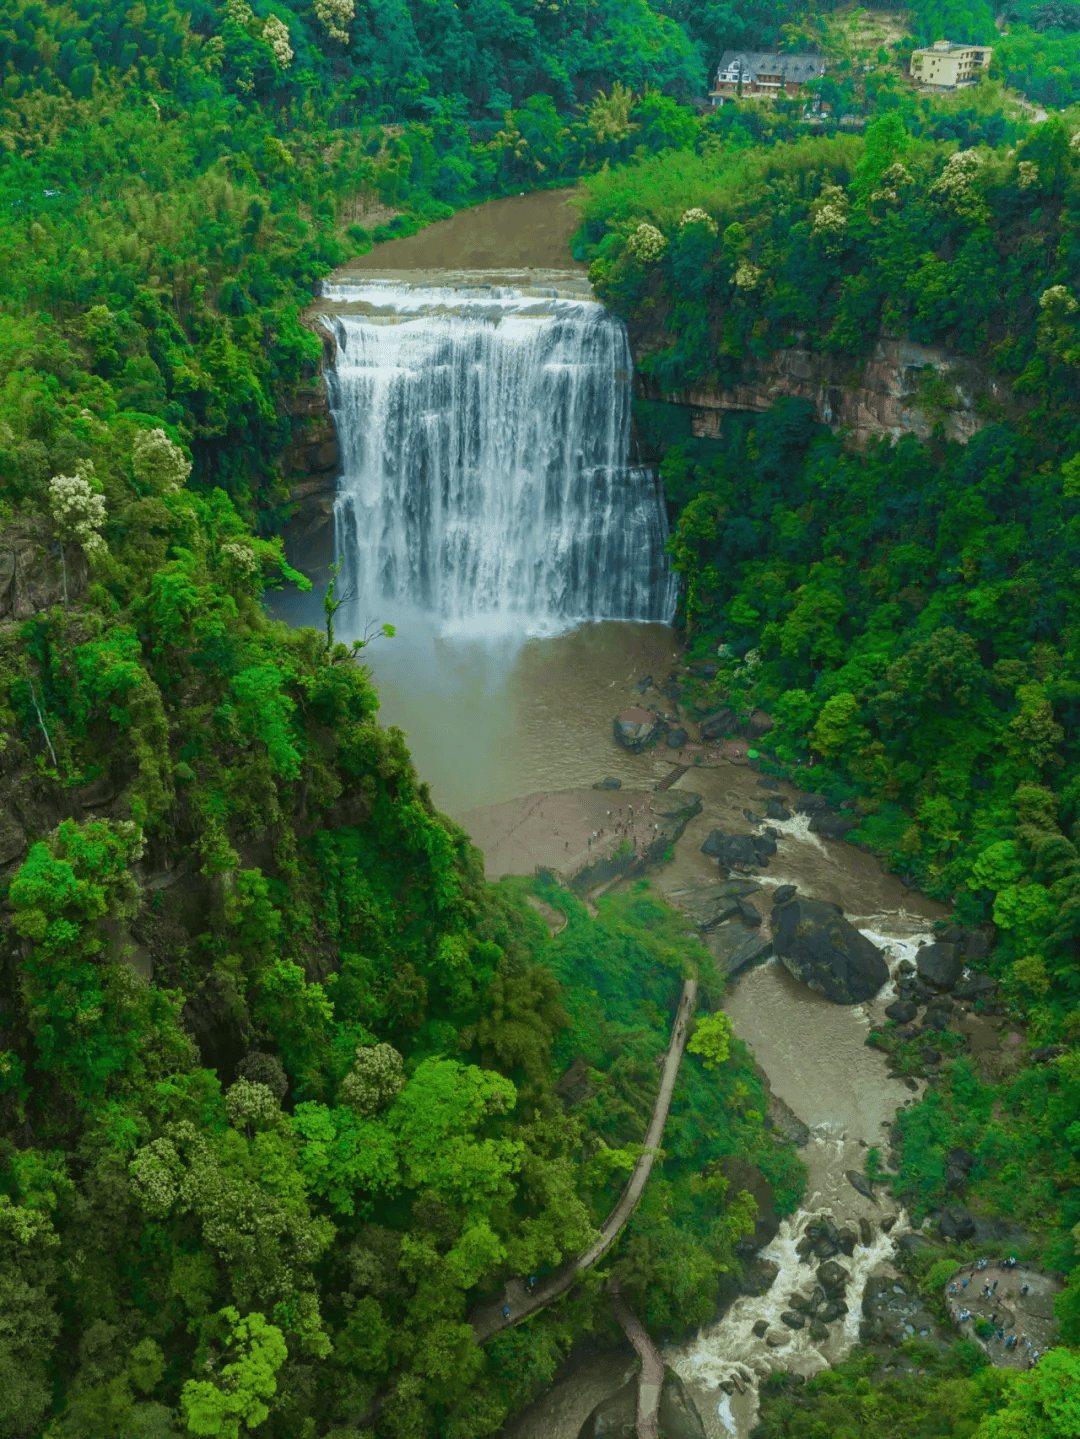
{"x":311,"y":463}
{"x":900,"y":388}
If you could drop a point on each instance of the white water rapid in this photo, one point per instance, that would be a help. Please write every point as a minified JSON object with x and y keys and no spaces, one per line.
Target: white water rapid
{"x":486,"y":478}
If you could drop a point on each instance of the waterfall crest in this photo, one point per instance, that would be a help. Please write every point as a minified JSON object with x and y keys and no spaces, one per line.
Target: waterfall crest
{"x":485,"y":439}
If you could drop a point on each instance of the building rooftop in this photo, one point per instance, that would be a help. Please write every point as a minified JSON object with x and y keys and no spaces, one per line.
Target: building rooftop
{"x":798,"y":68}
{"x":944,"y":46}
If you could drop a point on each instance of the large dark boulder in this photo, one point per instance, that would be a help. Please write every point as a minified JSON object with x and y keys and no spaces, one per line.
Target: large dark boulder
{"x":740,"y":849}
{"x":833,"y":1278}
{"x":939,"y":964}
{"x":676,"y":738}
{"x":832,"y":826}
{"x":758,"y":724}
{"x":811,"y":803}
{"x":936,"y":1017}
{"x":784,"y":893}
{"x":737,"y":849}
{"x":956,"y":1224}
{"x":958,"y":1165}
{"x":679,"y":1417}
{"x":819,"y":947}
{"x":717,"y":726}
{"x":903,"y":1011}
{"x":976,"y":986}
{"x":860,"y":1184}
{"x":776,"y":809}
{"x":749,"y":914}
{"x":635,"y":728}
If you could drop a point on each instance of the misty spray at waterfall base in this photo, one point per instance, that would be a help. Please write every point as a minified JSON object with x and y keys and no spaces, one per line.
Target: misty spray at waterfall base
{"x":487,"y":507}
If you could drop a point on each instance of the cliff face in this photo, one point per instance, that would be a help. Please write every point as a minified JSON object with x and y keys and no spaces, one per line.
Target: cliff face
{"x":901,"y":388}
{"x":311,"y":465}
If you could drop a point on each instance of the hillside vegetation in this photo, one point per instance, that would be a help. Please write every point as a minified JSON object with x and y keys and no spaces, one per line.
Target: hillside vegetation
{"x":278,"y":1070}
{"x":277,"y":1067}
{"x":907,"y":614}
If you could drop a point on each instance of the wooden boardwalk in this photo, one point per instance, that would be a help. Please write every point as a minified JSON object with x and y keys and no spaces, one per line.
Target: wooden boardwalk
{"x":488,"y":1319}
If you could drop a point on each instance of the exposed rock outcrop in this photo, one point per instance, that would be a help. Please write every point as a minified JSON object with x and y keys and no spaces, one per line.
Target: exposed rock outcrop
{"x":902,"y":388}
{"x":311,"y":464}
{"x":31,"y":577}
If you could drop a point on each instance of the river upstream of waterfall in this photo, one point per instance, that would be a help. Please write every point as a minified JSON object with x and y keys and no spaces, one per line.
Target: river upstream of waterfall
{"x":489,"y":509}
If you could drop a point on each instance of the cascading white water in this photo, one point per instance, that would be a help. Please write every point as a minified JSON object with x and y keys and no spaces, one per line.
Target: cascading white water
{"x":485,"y":439}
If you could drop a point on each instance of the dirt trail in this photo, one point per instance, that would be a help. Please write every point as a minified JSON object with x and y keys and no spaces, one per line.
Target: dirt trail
{"x":488,"y":1319}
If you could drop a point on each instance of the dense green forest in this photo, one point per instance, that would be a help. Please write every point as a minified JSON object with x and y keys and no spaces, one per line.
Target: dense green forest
{"x":260,"y":1189}
{"x":277,"y":1067}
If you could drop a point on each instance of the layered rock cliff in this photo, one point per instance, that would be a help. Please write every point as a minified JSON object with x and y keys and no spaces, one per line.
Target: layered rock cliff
{"x":901,"y":388}
{"x":310,"y":465}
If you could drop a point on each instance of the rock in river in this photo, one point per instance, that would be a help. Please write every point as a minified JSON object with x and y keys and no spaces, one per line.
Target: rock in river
{"x":635,"y":728}
{"x":832,"y":826}
{"x":710,"y":904}
{"x":833,"y":1278}
{"x":861,"y":1183}
{"x":737,"y":947}
{"x":736,"y":849}
{"x":820,"y":947}
{"x":939,"y":965}
{"x":903,"y":1011}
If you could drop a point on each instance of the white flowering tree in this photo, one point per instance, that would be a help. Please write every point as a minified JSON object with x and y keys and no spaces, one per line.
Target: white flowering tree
{"x":647,"y":243}
{"x":697,"y":216}
{"x":830,"y":217}
{"x":159,"y":464}
{"x":78,"y":513}
{"x":957,"y":187}
{"x":336,"y":16}
{"x":376,"y":1078}
{"x":276,"y":34}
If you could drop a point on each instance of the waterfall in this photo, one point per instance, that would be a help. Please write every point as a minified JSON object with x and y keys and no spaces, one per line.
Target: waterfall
{"x":485,"y":439}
